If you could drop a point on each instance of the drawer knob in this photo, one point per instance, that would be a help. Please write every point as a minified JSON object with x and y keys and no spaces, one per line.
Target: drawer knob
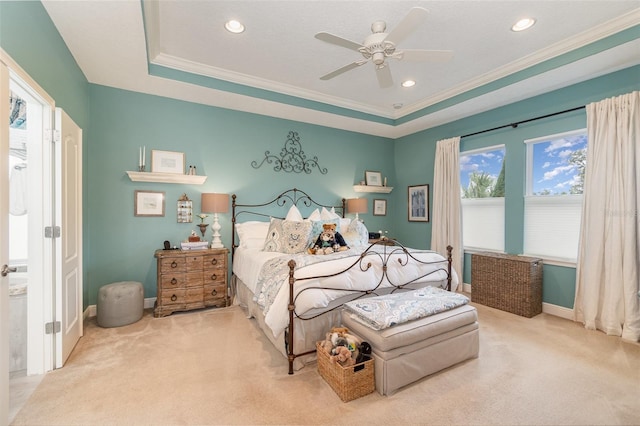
{"x":174,"y":264}
{"x":174,"y":298}
{"x":174,"y":281}
{"x":214,"y":292}
{"x":214,"y":261}
{"x":213,"y":277}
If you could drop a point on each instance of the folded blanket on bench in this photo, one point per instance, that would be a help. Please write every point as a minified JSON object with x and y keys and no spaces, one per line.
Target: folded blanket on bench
{"x":385,"y":311}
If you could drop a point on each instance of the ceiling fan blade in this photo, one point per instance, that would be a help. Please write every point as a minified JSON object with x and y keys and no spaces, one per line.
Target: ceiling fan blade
{"x":334,"y":39}
{"x":415,"y":17}
{"x":424,"y":55}
{"x":343,"y":70}
{"x":384,"y":76}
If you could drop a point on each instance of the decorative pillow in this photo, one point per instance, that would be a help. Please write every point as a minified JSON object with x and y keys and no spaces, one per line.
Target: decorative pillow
{"x":314,"y":216}
{"x":252,"y":234}
{"x":357,"y":234}
{"x":344,"y":225}
{"x":294,"y":214}
{"x":328,"y":215}
{"x":286,"y":236}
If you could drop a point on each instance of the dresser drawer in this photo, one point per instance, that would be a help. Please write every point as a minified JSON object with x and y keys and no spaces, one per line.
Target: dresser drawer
{"x":215,"y":294}
{"x":194,"y":262}
{"x":173,"y":264}
{"x":215,"y":261}
{"x":217,"y":276}
{"x":194,"y":279}
{"x":173,"y":297}
{"x":173,"y":281}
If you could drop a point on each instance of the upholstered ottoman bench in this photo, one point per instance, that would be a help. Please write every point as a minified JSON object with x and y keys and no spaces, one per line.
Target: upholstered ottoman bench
{"x":120,"y":304}
{"x":408,"y":351}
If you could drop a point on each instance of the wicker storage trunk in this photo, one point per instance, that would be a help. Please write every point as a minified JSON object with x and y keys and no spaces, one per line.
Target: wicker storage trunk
{"x":507,"y":282}
{"x":348,"y":382}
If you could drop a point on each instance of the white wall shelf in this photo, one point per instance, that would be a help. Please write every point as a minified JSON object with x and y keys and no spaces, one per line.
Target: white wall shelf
{"x":367,"y":188}
{"x":166,"y":178}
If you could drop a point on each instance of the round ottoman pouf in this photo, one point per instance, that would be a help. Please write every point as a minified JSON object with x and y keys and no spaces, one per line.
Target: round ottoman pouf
{"x":120,"y":303}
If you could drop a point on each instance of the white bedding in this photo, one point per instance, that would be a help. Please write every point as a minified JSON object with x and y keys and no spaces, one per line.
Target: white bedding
{"x":248,"y":266}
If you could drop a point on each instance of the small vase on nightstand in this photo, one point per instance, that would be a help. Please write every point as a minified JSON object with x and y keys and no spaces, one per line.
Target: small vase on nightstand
{"x":203,"y":228}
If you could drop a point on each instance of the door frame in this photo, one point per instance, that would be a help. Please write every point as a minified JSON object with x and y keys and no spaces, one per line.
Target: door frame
{"x":41,"y":355}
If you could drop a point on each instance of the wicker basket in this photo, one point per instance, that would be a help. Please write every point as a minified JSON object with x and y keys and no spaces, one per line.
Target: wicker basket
{"x":507,"y":282}
{"x":348,"y":382}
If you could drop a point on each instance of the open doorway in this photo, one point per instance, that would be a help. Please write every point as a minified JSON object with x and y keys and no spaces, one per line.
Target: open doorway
{"x":29,"y":116}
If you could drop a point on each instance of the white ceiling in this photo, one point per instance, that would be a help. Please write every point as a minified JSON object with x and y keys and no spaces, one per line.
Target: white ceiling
{"x":274,"y":67}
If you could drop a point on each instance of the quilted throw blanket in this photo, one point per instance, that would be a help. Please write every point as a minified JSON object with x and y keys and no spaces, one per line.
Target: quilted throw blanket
{"x":382,"y":312}
{"x":275,"y":273}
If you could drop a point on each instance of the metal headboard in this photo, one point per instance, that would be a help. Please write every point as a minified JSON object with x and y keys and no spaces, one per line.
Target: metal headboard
{"x":286,"y":199}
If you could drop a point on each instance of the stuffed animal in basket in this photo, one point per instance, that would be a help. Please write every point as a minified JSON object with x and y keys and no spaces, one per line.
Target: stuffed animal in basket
{"x":343,"y":356}
{"x":339,"y":342}
{"x":329,"y":241}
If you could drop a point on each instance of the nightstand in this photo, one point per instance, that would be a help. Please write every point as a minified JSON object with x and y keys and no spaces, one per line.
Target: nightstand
{"x":190,"y":279}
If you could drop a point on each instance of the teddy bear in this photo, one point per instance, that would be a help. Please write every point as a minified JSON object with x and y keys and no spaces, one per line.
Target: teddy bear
{"x":329,"y":241}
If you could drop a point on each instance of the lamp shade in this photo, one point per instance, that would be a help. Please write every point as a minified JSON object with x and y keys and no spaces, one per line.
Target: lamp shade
{"x":357,"y":205}
{"x":214,"y":203}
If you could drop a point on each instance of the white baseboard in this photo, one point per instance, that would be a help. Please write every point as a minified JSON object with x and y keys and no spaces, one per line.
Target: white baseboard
{"x":92,"y":309}
{"x":558,"y":311}
{"x":547,"y":308}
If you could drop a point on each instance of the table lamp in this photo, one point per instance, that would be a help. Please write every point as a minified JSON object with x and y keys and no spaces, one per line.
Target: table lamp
{"x":357,"y":205}
{"x":215,"y":203}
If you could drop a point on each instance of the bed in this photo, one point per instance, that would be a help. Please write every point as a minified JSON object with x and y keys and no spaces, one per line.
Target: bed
{"x":296,"y":297}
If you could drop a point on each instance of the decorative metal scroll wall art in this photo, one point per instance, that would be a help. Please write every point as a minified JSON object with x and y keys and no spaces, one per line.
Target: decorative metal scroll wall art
{"x":292,"y":158}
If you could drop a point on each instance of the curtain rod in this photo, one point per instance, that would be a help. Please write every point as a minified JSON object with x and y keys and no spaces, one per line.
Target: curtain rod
{"x":516,"y":124}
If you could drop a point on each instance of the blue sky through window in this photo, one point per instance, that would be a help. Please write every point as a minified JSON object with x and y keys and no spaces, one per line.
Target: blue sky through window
{"x":552,"y":171}
{"x":488,"y":162}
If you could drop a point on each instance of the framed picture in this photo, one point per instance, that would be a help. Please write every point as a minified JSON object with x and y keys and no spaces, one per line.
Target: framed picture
{"x":418,"y":205}
{"x":148,"y":203}
{"x":167,"y":162}
{"x":373,"y":178}
{"x":379,"y":207}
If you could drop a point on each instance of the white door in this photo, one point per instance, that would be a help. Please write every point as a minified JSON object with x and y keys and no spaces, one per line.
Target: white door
{"x":28,"y":245}
{"x":68,"y":184}
{"x":4,"y":246}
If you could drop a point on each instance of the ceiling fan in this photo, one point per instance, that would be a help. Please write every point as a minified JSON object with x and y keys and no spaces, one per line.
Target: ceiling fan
{"x":380,"y":45}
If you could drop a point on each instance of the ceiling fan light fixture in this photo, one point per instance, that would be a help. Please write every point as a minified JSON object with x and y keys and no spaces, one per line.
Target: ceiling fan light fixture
{"x":408,"y":83}
{"x":523,"y":24}
{"x":234,"y":26}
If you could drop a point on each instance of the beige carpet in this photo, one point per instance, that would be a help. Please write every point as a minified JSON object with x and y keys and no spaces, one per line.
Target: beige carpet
{"x":215,"y":367}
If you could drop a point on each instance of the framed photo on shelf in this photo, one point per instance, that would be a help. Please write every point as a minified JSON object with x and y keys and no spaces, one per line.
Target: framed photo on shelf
{"x":379,"y":207}
{"x":373,"y":178}
{"x":148,"y":203}
{"x":418,"y":205}
{"x":167,"y":162}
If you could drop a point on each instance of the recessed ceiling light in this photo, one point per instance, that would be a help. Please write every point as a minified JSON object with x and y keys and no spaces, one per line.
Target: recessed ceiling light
{"x":397,"y":105}
{"x":523,"y":24}
{"x":408,"y":83}
{"x":234,"y":26}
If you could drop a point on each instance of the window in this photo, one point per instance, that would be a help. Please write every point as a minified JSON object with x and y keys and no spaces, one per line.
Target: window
{"x":482,"y":192}
{"x":553,"y":198}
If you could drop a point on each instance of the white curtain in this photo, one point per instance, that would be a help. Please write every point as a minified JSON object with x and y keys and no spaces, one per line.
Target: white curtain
{"x":607,"y":285}
{"x":446,"y":221}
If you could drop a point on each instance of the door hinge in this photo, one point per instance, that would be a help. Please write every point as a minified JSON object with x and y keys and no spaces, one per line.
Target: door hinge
{"x":56,"y":136}
{"x":52,"y":327}
{"x":52,"y":232}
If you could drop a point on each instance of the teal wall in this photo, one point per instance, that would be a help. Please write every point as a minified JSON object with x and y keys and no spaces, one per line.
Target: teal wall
{"x":222,"y":144}
{"x":414,"y":161}
{"x":30,"y":38}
